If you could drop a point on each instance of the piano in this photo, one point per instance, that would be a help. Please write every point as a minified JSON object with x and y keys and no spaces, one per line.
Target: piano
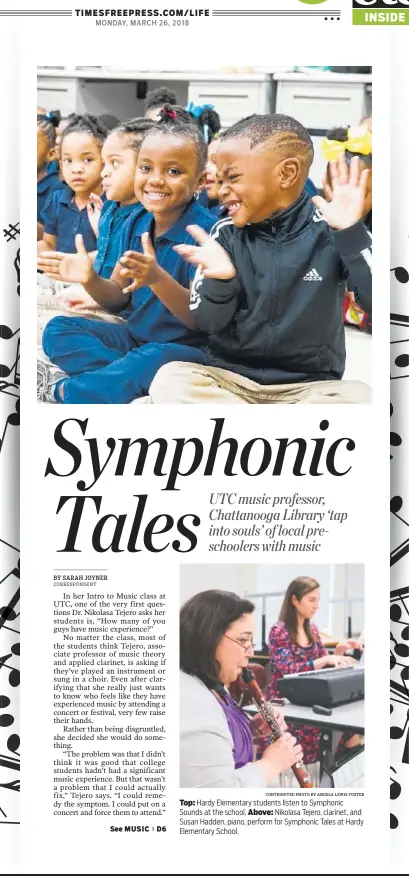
{"x":324,"y":687}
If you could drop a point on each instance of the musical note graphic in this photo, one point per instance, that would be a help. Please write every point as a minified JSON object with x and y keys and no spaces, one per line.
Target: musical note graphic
{"x":9,"y":569}
{"x":16,"y":365}
{"x":5,"y":720}
{"x":398,"y":733}
{"x":395,"y":439}
{"x":13,"y":786}
{"x":399,"y":319}
{"x":9,"y":681}
{"x":17,"y":267}
{"x":13,"y":743}
{"x":7,"y":334}
{"x":399,"y":667}
{"x":400,"y":359}
{"x":400,"y":649}
{"x":11,"y":389}
{"x":401,"y":274}
{"x":15,"y":571}
{"x":12,"y":420}
{"x":396,"y":504}
{"x":399,"y":597}
{"x":11,"y":232}
{"x":395,"y":788}
{"x":397,"y":606}
{"x":11,"y":763}
{"x":394,"y":792}
{"x":14,"y":675}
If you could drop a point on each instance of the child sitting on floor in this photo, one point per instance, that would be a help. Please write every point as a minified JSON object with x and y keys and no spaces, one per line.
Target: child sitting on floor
{"x":119,"y":154}
{"x":115,"y":364}
{"x":66,"y":211}
{"x":272,"y":275}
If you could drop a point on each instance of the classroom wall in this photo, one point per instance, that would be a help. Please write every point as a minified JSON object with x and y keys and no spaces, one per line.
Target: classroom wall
{"x":119,"y":98}
{"x":316,"y":104}
{"x":265,"y":585}
{"x":277,"y":578}
{"x":197,"y":577}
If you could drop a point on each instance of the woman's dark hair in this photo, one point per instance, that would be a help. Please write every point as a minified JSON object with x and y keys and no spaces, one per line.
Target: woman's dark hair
{"x":158,"y":97}
{"x":203,"y":621}
{"x":341,"y":134}
{"x":176,"y":120}
{"x":48,"y":122}
{"x":135,"y":129}
{"x":85,"y":124}
{"x":288,"y":615}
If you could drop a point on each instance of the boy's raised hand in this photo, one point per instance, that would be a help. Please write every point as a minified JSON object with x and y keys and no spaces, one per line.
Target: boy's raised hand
{"x":349,"y":186}
{"x":326,"y":188}
{"x":70,"y":267}
{"x":213,"y":259}
{"x":141,"y":267}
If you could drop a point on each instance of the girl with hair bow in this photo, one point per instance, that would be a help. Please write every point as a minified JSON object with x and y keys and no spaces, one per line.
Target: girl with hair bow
{"x":207,"y":118}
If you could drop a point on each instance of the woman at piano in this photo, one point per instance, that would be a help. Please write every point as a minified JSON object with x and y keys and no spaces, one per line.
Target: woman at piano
{"x":295,"y":645}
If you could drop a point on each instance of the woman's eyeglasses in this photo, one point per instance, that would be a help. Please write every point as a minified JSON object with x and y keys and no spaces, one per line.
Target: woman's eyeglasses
{"x":247,"y":645}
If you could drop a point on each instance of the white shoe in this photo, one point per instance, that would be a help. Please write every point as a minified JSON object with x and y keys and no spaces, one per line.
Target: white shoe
{"x":47,"y":377}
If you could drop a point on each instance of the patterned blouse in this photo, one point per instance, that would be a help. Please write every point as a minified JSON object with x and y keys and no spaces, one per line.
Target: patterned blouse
{"x":285,"y":658}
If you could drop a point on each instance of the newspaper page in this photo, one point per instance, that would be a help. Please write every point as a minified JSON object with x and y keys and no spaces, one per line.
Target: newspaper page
{"x":205,"y":594}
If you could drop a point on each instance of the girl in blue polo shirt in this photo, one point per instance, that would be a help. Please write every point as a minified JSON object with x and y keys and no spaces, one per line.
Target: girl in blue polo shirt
{"x":115,"y":364}
{"x":47,"y":166}
{"x":66,"y":211}
{"x":119,"y":154}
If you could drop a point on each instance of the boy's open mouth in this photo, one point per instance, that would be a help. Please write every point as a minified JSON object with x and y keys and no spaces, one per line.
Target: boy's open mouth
{"x":232,"y":206}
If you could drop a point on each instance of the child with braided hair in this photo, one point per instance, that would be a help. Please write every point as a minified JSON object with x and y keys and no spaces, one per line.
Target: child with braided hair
{"x":156,"y":99}
{"x":66,"y":212}
{"x":119,"y":154}
{"x":115,"y":364}
{"x":207,"y":118}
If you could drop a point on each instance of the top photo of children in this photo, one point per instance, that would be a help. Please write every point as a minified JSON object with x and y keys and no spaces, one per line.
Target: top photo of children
{"x":204,"y":237}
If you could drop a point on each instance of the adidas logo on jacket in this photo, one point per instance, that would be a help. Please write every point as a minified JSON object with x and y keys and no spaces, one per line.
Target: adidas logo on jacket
{"x":313,"y":275}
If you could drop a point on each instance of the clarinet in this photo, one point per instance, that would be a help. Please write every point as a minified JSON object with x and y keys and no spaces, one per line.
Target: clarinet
{"x":267,"y":713}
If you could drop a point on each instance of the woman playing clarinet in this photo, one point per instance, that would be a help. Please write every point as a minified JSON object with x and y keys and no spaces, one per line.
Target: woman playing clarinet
{"x":216,"y":742}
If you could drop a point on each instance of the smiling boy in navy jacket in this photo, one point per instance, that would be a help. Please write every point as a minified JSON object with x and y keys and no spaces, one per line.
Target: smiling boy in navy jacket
{"x":271,"y":279}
